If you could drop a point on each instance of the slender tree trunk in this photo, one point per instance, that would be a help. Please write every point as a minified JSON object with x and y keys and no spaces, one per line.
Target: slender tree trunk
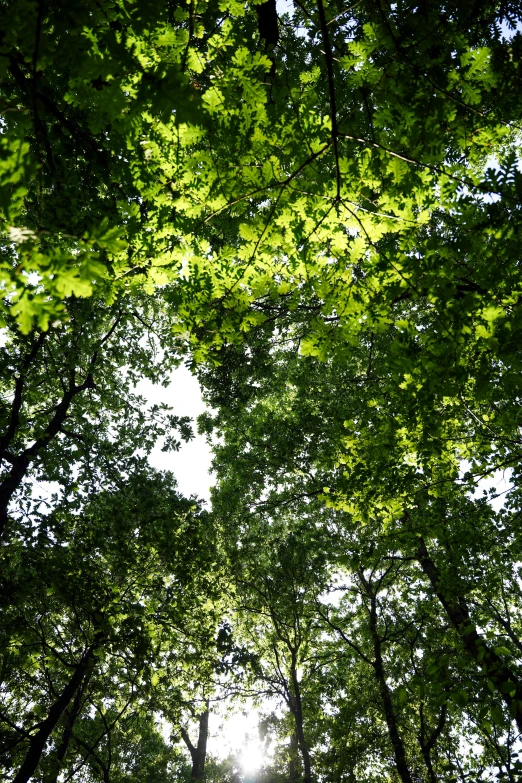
{"x":198,"y":753}
{"x":21,"y":462}
{"x":429,"y":766}
{"x":293,"y":771}
{"x":39,"y":740}
{"x":297,"y":711}
{"x":389,"y":712}
{"x":16,"y":406}
{"x":494,"y":667}
{"x":428,"y":745}
{"x":198,"y":769}
{"x":9,"y":486}
{"x":53,"y":774}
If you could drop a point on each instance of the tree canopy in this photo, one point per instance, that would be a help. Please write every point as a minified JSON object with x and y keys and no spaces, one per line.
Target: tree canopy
{"x":317,"y":207}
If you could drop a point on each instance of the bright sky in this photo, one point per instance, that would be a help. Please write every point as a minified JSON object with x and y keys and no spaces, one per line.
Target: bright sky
{"x":191,"y":464}
{"x":237,"y":735}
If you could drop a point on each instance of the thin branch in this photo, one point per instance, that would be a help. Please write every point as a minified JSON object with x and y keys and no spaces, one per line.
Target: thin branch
{"x":331,"y":92}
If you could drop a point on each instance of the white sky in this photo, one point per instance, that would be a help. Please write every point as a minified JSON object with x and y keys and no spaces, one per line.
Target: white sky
{"x":237,"y":735}
{"x":191,"y":464}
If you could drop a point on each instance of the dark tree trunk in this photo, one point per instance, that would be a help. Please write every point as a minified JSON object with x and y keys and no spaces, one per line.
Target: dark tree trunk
{"x":293,"y":772}
{"x":20,"y":463}
{"x":52,"y":776}
{"x":16,"y":406}
{"x":39,"y":740}
{"x":389,"y":713}
{"x":427,"y":745}
{"x":267,"y":22}
{"x":198,"y":753}
{"x":491,"y":664}
{"x":297,"y":711}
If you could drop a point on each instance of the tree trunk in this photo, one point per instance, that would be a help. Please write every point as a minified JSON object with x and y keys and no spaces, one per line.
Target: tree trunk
{"x":428,"y":745}
{"x":16,"y":406}
{"x":39,"y":740}
{"x":494,"y":667}
{"x":198,"y":753}
{"x":293,"y":772}
{"x":53,"y":774}
{"x":389,"y":713}
{"x":20,"y":463}
{"x":297,"y":711}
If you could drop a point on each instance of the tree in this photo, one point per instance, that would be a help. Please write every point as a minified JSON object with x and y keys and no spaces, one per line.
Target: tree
{"x":98,"y":625}
{"x":376,"y":136}
{"x":66,"y":392}
{"x":323,"y":208}
{"x":198,"y":752}
{"x":273,"y":608}
{"x":283,"y":446}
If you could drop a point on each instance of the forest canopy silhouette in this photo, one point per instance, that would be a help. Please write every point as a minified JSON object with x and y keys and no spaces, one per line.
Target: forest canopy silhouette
{"x":316,"y":206}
